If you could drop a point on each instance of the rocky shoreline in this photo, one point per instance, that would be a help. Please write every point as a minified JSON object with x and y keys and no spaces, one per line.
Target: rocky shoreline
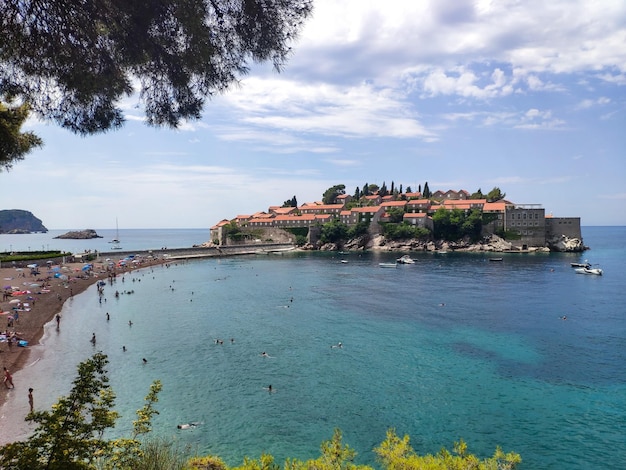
{"x":491,"y":243}
{"x":80,"y":235}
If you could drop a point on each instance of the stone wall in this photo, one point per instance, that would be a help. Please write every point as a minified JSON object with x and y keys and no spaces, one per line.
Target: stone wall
{"x":568,"y":226}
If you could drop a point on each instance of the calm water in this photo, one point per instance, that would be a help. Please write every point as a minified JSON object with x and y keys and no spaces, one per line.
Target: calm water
{"x":130,"y":239}
{"x":495,"y":365}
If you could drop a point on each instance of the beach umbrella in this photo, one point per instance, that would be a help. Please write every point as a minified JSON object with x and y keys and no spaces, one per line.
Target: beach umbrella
{"x":34,"y":265}
{"x":15,"y":301}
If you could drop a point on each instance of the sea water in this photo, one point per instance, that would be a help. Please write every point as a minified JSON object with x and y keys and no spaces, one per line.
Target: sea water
{"x":454,"y":346}
{"x":130,"y":239}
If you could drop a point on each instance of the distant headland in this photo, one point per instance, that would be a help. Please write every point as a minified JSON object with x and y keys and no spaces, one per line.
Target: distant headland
{"x":16,"y":221}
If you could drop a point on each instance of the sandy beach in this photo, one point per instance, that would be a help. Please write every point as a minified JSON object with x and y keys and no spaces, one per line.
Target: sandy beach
{"x":41,"y":297}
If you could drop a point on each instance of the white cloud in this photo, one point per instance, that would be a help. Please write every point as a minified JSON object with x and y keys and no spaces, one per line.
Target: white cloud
{"x":590,"y":103}
{"x":360,"y":110}
{"x":536,"y":119}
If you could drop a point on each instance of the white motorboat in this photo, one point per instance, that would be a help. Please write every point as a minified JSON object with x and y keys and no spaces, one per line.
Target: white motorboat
{"x":405,"y":259}
{"x":388,"y":265}
{"x":586,"y":270}
{"x":586,"y":264}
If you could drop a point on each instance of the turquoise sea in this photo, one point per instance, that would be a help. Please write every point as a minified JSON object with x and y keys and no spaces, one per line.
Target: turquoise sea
{"x":451,"y":347}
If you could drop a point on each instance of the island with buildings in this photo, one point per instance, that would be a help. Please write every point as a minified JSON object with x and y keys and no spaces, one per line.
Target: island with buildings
{"x":498,"y":224}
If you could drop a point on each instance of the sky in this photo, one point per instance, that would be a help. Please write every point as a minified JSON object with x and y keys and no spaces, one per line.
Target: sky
{"x":527,"y":96}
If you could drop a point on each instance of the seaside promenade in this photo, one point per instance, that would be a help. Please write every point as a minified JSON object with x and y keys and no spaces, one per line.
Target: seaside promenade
{"x":201,"y":251}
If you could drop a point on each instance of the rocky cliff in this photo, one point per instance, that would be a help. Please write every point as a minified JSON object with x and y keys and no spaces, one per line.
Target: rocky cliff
{"x":20,"y":221}
{"x":491,"y":243}
{"x":566,"y":244}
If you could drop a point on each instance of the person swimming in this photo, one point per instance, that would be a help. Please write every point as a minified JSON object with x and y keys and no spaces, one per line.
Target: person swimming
{"x":187,"y":425}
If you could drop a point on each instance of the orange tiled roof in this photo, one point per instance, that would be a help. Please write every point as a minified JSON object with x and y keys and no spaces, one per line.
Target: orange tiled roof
{"x":322,"y":207}
{"x":394,"y":204}
{"x":294,"y":217}
{"x":499,"y":206}
{"x":366,"y":209}
{"x":262,"y":216}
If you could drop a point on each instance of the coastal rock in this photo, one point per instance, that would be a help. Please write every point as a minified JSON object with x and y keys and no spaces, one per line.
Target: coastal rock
{"x":566,"y":244}
{"x":16,"y":221}
{"x":80,"y":235}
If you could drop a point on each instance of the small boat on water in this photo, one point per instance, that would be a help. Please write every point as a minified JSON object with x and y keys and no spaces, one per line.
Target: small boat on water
{"x":405,"y":259}
{"x":388,"y":265}
{"x":589,"y":270}
{"x":116,"y":240}
{"x":586,"y":264}
{"x":496,"y":259}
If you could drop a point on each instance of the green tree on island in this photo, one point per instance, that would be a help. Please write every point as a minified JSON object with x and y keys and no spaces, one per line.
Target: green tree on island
{"x":330,"y":195}
{"x":495,"y":195}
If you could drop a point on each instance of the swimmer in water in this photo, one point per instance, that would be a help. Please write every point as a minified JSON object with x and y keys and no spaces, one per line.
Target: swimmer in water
{"x":187,"y":425}
{"x":264,"y":354}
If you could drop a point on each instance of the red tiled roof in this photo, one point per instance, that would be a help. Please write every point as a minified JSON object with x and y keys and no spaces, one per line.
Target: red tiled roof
{"x":295,"y":217}
{"x":499,"y":206}
{"x":366,"y":209}
{"x":394,"y":204}
{"x":323,"y":207}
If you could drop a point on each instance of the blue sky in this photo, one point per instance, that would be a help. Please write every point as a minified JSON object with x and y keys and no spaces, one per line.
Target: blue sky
{"x":526,"y":96}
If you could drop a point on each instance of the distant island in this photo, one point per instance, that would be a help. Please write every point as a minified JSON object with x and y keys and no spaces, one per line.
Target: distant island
{"x":397,"y":219}
{"x":79,"y":235}
{"x":16,"y":221}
